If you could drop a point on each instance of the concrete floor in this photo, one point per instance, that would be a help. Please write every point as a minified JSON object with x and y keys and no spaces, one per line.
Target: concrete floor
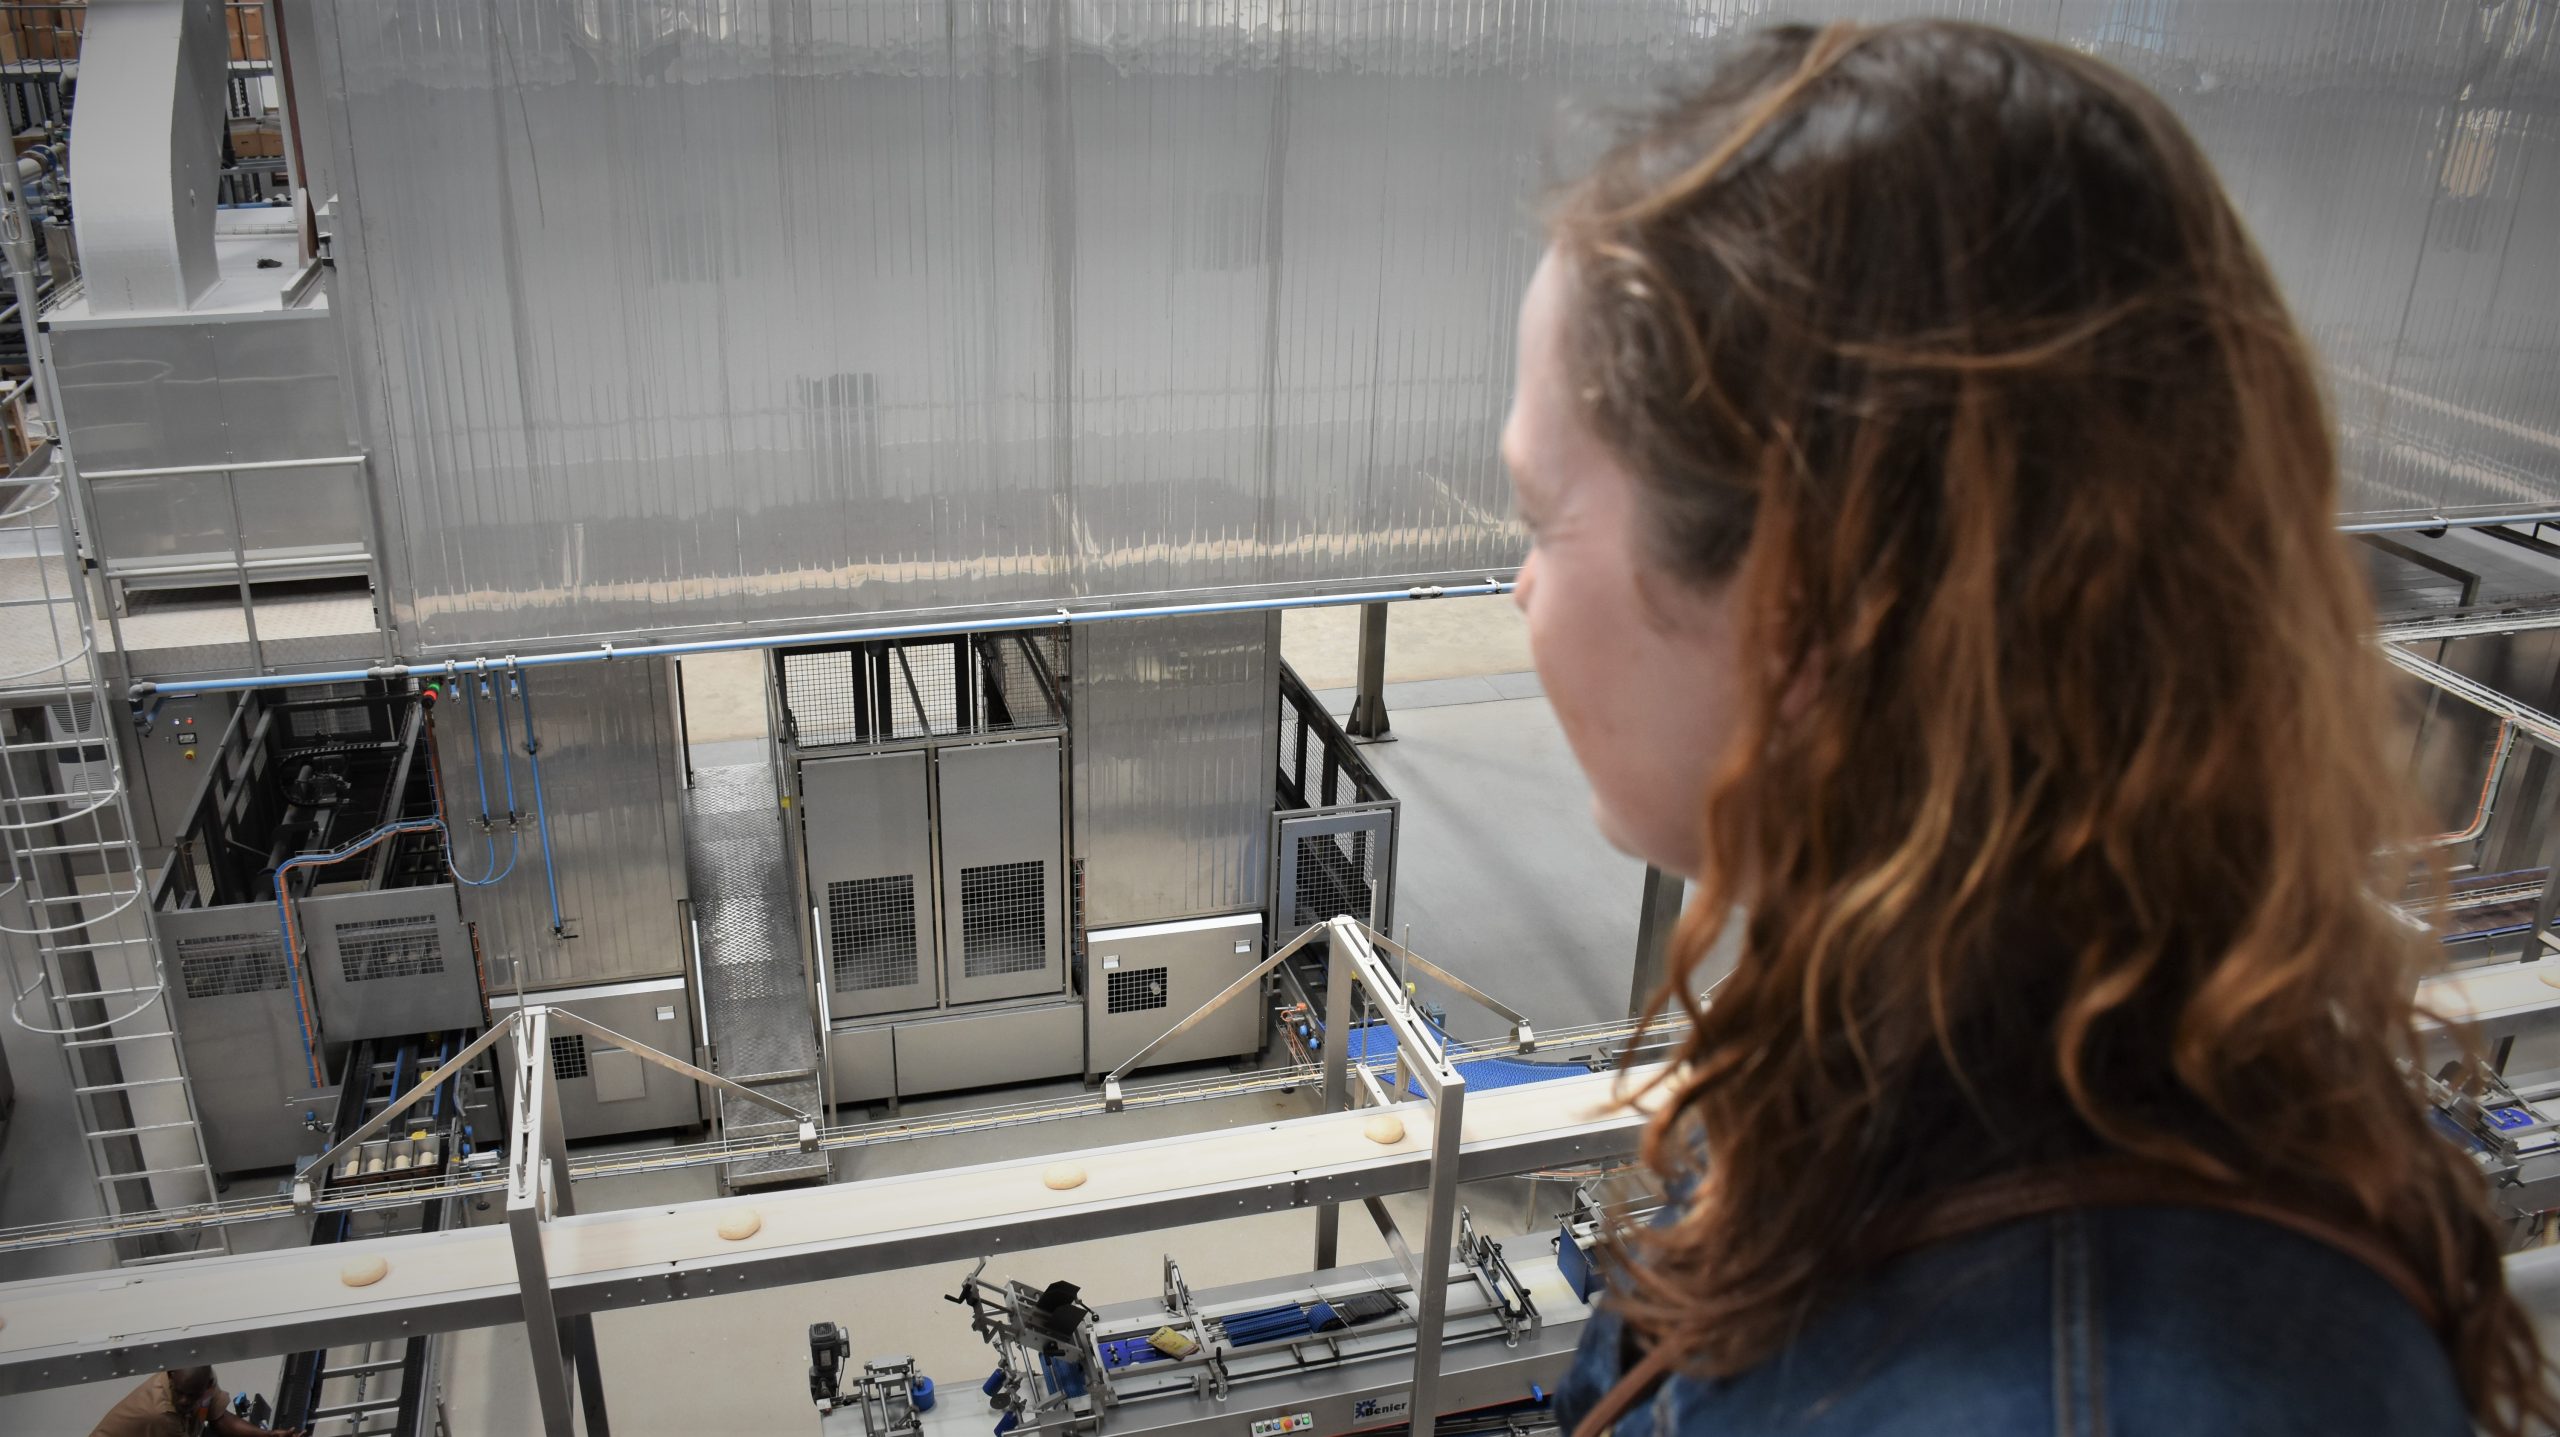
{"x":1501,"y":875}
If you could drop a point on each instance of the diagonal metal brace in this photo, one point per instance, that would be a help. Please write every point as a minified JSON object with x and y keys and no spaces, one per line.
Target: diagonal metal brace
{"x":1521,"y":1033}
{"x":1111,"y":1095}
{"x":808,"y":1121}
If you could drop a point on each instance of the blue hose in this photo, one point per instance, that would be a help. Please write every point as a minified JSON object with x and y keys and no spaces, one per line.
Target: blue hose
{"x":480,"y":775}
{"x":541,"y":818}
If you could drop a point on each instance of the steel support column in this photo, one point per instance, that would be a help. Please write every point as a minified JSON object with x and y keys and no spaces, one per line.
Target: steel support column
{"x":1337,"y":1086}
{"x":1656,"y":917}
{"x":538,"y":1188}
{"x":1419,"y":1059}
{"x":1369,"y":710}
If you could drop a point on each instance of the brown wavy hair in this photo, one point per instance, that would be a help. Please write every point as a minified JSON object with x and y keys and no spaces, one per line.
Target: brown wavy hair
{"x":2052,"y":829}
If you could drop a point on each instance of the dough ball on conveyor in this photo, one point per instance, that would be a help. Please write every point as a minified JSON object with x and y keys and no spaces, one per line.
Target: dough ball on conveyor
{"x":363,"y":1271}
{"x":1062,"y":1176}
{"x":741,"y":1224}
{"x":1384,"y":1129}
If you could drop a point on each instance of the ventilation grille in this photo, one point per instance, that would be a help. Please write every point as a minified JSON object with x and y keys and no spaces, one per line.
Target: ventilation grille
{"x":871,"y":933}
{"x":1336,"y":874}
{"x":228,"y":964}
{"x":1004,"y":924}
{"x":568,"y":1056}
{"x":406,"y":947}
{"x":1135,"y":990}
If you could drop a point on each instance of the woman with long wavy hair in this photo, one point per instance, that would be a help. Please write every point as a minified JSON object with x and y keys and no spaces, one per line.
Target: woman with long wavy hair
{"x":1934,"y":556}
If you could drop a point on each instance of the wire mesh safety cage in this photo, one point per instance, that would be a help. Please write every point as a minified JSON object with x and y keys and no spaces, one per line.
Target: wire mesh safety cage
{"x":1337,"y":873}
{"x":1319,"y":766}
{"x":930,"y":674}
{"x":871,"y":933}
{"x":1136,"y":990}
{"x":1004,"y":919}
{"x":952,"y":686}
{"x":568,"y":1056}
{"x":406,"y":946}
{"x":227,"y":965}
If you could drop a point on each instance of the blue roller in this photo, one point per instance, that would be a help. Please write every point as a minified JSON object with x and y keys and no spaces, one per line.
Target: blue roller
{"x":994,"y":1380}
{"x":920,"y":1395}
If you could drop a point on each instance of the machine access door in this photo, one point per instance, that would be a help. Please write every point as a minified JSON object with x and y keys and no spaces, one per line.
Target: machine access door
{"x":1334,"y":863}
{"x":1002,"y":898}
{"x":868,"y":826}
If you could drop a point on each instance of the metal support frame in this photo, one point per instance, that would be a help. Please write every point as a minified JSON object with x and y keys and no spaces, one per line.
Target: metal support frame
{"x":538,"y":1188}
{"x":305,"y":1189}
{"x":1419,"y":1058}
{"x":1369,"y":710}
{"x":1523,"y":1036}
{"x":2468,"y":586}
{"x":1657,"y":915}
{"x":2519,"y":720}
{"x":136,"y":1320}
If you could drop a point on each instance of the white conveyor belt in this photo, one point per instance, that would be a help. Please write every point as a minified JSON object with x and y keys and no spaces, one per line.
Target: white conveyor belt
{"x":2485,"y":994}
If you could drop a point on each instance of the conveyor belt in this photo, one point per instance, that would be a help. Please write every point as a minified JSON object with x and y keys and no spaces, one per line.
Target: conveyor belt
{"x":2484,"y":994}
{"x":96,"y":1326}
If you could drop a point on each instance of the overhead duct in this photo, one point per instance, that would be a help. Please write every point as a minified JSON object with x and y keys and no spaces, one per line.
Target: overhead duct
{"x":146,"y":152}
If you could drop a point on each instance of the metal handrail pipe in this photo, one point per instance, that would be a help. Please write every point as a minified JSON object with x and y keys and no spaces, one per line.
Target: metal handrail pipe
{"x":607,"y":652}
{"x":245,"y":466}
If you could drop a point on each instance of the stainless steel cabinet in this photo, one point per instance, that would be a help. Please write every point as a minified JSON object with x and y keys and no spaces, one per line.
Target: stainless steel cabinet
{"x":870,"y":853}
{"x":1001,"y":891}
{"x":605,"y":1090}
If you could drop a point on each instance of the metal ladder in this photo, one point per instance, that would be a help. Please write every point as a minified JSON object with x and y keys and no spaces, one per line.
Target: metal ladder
{"x":75,"y":897}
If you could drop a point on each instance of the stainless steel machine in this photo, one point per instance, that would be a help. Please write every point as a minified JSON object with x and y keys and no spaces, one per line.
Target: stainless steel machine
{"x":607,"y":1089}
{"x":929,"y":778}
{"x":306,"y":904}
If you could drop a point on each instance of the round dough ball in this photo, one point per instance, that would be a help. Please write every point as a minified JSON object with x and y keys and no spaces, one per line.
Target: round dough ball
{"x":1062,"y":1176}
{"x":1383,"y":1129}
{"x":2552,"y":978}
{"x":741,"y":1224}
{"x":363,"y":1271}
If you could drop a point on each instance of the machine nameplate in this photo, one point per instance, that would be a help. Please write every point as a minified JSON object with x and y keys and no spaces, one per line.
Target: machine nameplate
{"x":1381,"y":1409}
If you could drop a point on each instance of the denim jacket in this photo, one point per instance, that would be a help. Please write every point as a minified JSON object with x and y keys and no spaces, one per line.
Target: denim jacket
{"x":2127,"y":1322}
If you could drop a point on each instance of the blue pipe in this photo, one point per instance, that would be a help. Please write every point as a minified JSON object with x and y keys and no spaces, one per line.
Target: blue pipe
{"x":444,"y":1050}
{"x":480,"y":774}
{"x":541,"y":818}
{"x":834,"y":636}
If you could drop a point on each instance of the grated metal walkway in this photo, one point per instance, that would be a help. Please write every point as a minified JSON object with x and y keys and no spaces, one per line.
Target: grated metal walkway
{"x":755,"y":986}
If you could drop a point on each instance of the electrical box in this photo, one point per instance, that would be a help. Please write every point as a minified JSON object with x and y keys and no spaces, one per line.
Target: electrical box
{"x":1141,"y":981}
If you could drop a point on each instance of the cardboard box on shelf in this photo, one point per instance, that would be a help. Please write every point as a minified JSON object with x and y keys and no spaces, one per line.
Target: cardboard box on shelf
{"x":247,"y":25}
{"x":48,"y":32}
{"x":256,"y":140}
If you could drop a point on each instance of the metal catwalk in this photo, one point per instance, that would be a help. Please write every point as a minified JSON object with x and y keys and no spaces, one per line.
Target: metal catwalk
{"x":754,"y":991}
